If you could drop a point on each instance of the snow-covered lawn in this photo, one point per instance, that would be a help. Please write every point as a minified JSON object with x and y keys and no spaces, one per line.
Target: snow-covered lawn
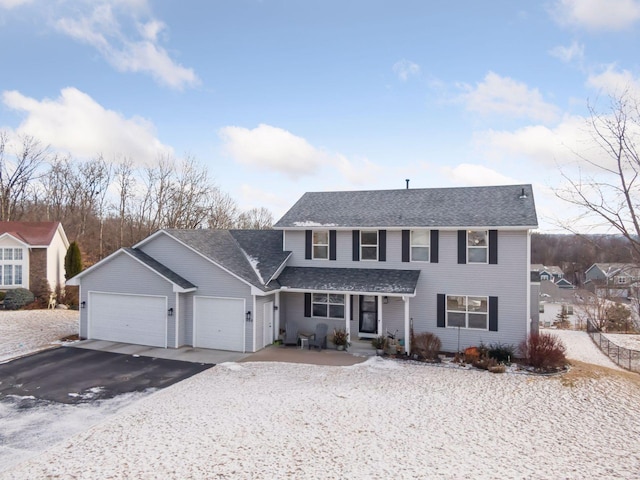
{"x":27,"y":331}
{"x":580,"y":347}
{"x":378,"y":419}
{"x":632,"y":342}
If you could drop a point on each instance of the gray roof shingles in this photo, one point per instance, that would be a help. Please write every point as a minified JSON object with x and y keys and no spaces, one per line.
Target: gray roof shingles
{"x":493,"y":206}
{"x":350,"y":280}
{"x":253,"y":255}
{"x":160,"y":268}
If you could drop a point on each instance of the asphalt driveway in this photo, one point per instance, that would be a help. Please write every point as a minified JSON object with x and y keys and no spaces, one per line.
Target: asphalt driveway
{"x":73,"y":375}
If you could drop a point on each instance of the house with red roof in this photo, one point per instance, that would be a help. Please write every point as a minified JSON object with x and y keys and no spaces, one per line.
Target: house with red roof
{"x":30,"y":251}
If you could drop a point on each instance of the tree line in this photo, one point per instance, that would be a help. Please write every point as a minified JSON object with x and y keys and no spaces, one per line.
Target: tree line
{"x":108,"y":204}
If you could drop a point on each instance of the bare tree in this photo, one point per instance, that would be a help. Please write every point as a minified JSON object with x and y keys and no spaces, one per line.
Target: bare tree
{"x":611,"y":195}
{"x":255,"y":219}
{"x":223,"y":210}
{"x":17,"y":172}
{"x":125,"y":183}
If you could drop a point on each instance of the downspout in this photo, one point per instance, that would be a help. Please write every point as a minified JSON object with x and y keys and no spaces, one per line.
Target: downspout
{"x":347,"y":316}
{"x":177,"y":318}
{"x":407,"y":326}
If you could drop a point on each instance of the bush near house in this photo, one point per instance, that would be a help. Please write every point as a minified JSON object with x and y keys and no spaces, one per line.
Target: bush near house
{"x":544,"y":352}
{"x":426,"y":345}
{"x":18,"y":298}
{"x":502,"y":353}
{"x":41,"y":290}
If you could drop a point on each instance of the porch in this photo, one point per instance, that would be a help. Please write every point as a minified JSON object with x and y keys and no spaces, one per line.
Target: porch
{"x":358,"y":352}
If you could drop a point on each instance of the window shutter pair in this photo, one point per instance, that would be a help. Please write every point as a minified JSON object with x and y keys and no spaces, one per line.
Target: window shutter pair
{"x":493,"y":247}
{"x":308,"y":244}
{"x":382,"y":245}
{"x":433,"y":246}
{"x":441,"y":312}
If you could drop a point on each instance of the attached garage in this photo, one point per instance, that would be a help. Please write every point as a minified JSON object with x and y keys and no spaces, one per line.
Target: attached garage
{"x":219,"y":323}
{"x":117,"y":317}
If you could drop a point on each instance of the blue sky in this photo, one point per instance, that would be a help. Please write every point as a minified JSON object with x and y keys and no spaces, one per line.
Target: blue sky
{"x":279,"y":97}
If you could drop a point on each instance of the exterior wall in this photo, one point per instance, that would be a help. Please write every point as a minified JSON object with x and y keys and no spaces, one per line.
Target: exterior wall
{"x":37,"y":266}
{"x":508,"y":280}
{"x":534,"y":308}
{"x":122,"y":274}
{"x":55,"y":261}
{"x":10,"y":242}
{"x":210,"y":280}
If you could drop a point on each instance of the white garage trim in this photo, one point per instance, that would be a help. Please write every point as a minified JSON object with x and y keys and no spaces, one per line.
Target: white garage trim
{"x":127,"y":318}
{"x":224,"y":326}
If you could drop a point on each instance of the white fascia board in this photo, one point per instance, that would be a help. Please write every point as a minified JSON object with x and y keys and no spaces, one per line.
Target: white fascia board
{"x":277,"y":273}
{"x":19,"y":240}
{"x":418,"y":227}
{"x":344,"y":292}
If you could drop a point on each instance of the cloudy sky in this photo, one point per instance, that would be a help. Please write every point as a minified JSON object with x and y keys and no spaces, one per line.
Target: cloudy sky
{"x":279,"y":97}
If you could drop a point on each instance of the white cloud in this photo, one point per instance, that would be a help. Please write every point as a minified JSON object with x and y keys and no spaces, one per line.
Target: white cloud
{"x":405,"y":69}
{"x":597,"y":14}
{"x":77,"y":124}
{"x":127,"y":48}
{"x":274,"y":149}
{"x":505,"y":96}
{"x":468,"y":174}
{"x":615,"y":82}
{"x":9,"y":4}
{"x":575,"y":51}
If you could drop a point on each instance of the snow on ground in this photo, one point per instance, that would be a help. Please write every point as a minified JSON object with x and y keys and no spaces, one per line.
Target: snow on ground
{"x":379,"y":419}
{"x":580,"y":347}
{"x":27,"y":331}
{"x":632,"y":342}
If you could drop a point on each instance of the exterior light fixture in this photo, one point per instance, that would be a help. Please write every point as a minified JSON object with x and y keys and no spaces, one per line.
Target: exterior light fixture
{"x":248,"y":316}
{"x":385,"y":300}
{"x":83,"y":304}
{"x":170,"y":312}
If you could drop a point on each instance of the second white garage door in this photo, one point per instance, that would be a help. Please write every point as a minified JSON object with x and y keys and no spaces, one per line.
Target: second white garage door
{"x":219,"y":323}
{"x":139,"y":319}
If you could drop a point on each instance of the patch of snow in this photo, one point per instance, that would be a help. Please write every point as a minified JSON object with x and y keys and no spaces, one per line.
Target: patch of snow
{"x":27,"y":331}
{"x":285,"y":420}
{"x":231,"y":366}
{"x":580,"y":347}
{"x":632,"y":342}
{"x":314,"y":224}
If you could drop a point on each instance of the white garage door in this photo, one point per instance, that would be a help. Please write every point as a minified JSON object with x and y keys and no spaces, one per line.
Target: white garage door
{"x":140,"y":319}
{"x":219,"y":323}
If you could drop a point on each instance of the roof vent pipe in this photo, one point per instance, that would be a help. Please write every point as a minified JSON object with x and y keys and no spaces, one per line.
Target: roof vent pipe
{"x":522,"y":194}
{"x":407,"y":180}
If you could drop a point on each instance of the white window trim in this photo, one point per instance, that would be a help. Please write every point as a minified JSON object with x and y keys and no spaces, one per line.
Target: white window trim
{"x":485,"y":247}
{"x":313,"y":245}
{"x":13,"y":263}
{"x":466,"y":313}
{"x":427,"y":246}
{"x":369,"y":245}
{"x":328,"y":304}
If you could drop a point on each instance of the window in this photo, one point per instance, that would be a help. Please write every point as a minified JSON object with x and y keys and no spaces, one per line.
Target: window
{"x":420,"y":245}
{"x":621,"y":280}
{"x":477,"y":246}
{"x":467,"y":312}
{"x":369,"y":245}
{"x":328,"y":305}
{"x":321,"y":245}
{"x":17,"y":254}
{"x":7,"y":278}
{"x":8,"y":253}
{"x":17,"y":277}
{"x":11,"y":261}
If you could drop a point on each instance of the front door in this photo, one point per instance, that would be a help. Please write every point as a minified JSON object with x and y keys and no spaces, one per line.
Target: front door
{"x":368,"y":315}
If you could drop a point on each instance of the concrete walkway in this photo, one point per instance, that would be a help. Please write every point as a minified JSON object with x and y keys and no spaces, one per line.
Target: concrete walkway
{"x":185,"y":354}
{"x":277,"y":353}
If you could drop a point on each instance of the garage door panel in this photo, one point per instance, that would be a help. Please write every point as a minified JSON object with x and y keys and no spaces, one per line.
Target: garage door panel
{"x":219,"y":323}
{"x":139,"y":319}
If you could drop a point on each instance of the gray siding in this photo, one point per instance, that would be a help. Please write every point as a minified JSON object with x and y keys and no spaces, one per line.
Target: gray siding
{"x":122,"y":274}
{"x":210,"y":279}
{"x":508,"y":280}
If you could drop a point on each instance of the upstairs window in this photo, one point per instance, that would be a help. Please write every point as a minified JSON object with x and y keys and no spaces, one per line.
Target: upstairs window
{"x":320,"y":244}
{"x":369,"y":245}
{"x":420,"y":245}
{"x":477,"y":246}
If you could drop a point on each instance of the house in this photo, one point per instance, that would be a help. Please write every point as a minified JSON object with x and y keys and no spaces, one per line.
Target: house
{"x":31,"y":251}
{"x":613,"y":280}
{"x":553,"y":274}
{"x":451,"y":261}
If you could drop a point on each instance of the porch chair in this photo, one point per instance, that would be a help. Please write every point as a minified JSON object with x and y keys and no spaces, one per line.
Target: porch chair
{"x":319,"y":338}
{"x":290,"y":333}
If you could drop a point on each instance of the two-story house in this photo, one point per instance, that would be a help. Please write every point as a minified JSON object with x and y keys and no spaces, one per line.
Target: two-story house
{"x":451,"y":261}
{"x":613,"y":280}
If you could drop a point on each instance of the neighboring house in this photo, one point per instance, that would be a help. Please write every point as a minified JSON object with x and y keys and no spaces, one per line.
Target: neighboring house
{"x":30,"y":251}
{"x":450,"y":261}
{"x":613,"y":280}
{"x":553,"y":274}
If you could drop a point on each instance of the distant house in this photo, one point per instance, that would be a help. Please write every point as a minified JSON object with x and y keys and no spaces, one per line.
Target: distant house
{"x":613,"y":280}
{"x":30,"y":251}
{"x":552,"y":274}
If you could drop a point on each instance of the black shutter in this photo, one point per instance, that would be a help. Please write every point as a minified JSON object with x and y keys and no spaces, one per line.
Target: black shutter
{"x":332,"y":244}
{"x":356,"y":245}
{"x":382,"y":246}
{"x":493,"y":314}
{"x":493,"y":247}
{"x":441,"y":310}
{"x":308,"y":239}
{"x":462,"y":246}
{"x":435,"y":236}
{"x":351,"y":302}
{"x":307,"y":304}
{"x":406,"y":245}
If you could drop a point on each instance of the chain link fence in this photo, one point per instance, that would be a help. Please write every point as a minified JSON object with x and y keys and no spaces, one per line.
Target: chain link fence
{"x":623,"y":357}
